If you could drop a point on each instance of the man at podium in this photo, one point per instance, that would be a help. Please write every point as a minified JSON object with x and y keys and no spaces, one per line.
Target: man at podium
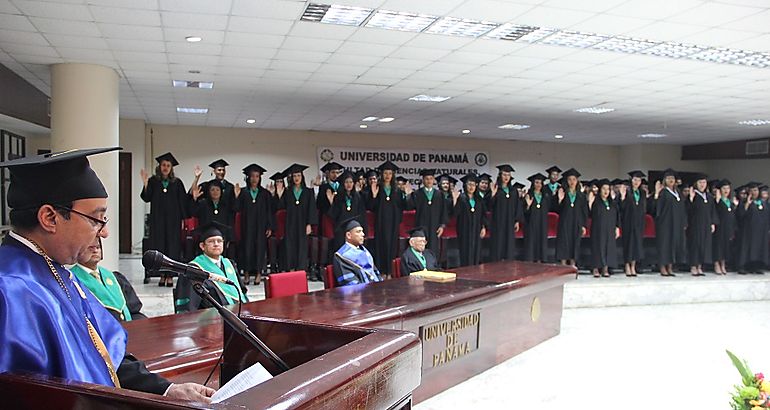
{"x":416,"y":258}
{"x":51,"y":324}
{"x":353,"y":264}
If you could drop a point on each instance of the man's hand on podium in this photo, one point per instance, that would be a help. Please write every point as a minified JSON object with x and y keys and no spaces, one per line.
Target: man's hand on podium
{"x":190,"y":391}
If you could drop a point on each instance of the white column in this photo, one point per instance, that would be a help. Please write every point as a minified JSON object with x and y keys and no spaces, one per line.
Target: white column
{"x":84,"y":114}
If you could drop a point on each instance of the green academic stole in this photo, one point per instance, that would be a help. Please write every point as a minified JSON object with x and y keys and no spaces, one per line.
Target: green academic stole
{"x":106,"y":289}
{"x":205,"y":263}
{"x":420,"y":258}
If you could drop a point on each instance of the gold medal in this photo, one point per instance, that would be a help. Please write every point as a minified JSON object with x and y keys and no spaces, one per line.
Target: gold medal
{"x":253,"y":201}
{"x":677,"y":199}
{"x":430,"y":202}
{"x":473,"y":209}
{"x":608,"y":208}
{"x":705,"y":201}
{"x":216,"y":212}
{"x":296,"y":202}
{"x":108,"y":281}
{"x":387,"y":198}
{"x":348,"y":208}
{"x":334,"y":193}
{"x":729,"y":209}
{"x":760,"y":207}
{"x":572,"y":205}
{"x":507,"y":195}
{"x":538,"y":206}
{"x":165,"y":190}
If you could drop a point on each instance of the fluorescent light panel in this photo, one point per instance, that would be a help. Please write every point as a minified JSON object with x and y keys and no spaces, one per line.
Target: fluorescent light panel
{"x":386,"y":119}
{"x":400,"y":21}
{"x":652,"y":135}
{"x":513,"y":127}
{"x":192,"y":110}
{"x":454,"y":26}
{"x":574,"y":39}
{"x":193,"y":84}
{"x":336,"y":14}
{"x":754,"y":123}
{"x":595,"y":110}
{"x":428,"y":98}
{"x":368,"y":119}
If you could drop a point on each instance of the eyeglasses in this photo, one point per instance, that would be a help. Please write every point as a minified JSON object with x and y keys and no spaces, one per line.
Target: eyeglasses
{"x":95,"y":222}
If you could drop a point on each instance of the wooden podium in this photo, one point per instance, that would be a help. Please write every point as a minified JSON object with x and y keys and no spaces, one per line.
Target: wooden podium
{"x":332,"y":367}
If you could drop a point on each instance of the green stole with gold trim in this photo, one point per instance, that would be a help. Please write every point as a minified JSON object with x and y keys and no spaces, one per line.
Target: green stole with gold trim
{"x":106,"y":289}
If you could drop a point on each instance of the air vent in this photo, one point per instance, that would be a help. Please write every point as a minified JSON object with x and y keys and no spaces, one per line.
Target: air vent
{"x":757,"y":147}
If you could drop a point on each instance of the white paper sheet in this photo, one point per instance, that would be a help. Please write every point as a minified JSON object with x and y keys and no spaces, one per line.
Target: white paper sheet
{"x":246,"y":379}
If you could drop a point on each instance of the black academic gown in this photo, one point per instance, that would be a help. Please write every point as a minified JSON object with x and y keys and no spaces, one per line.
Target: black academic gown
{"x":323,"y":204}
{"x":470,"y":220}
{"x":536,"y":228}
{"x":632,"y":216}
{"x":257,"y":216}
{"x":547,"y":189}
{"x":755,"y":222}
{"x":299,"y":213}
{"x":506,"y":211}
{"x":222,"y":212}
{"x":410,"y":263}
{"x":701,"y":214}
{"x":723,"y":236}
{"x":429,"y":214}
{"x":167,"y":209}
{"x":388,"y":211}
{"x":670,"y":223}
{"x":133,"y":303}
{"x":604,"y":219}
{"x":340,"y":211}
{"x":228,"y":190}
{"x":572,"y":218}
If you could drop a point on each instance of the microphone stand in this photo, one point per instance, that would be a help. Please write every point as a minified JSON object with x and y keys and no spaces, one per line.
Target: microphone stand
{"x":240,"y":327}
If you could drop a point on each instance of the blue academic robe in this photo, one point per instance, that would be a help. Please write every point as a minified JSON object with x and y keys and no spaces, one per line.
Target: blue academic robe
{"x":354,"y":265}
{"x":42,"y":331}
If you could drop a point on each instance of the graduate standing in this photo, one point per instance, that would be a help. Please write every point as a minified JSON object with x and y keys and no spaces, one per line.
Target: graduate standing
{"x":553,"y":185}
{"x":430,"y":209}
{"x":754,"y":218}
{"x":169,"y":204}
{"x":257,"y":223}
{"x":670,"y":223}
{"x":633,"y":211}
{"x":507,"y":214}
{"x":537,"y":204}
{"x":388,"y":204}
{"x":470,"y":211}
{"x":299,"y":202}
{"x":213,"y":207}
{"x":701,"y":223}
{"x":347,"y":204}
{"x":572,"y":207}
{"x":219,"y":171}
{"x":605,"y":229}
{"x":332,"y":170}
{"x":723,"y":237}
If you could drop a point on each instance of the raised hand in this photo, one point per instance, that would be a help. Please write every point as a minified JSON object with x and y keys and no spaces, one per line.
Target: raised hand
{"x":359,"y":186}
{"x":658,"y":187}
{"x":317,"y":180}
{"x":330,"y":195}
{"x":560,"y":194}
{"x":493,"y":188}
{"x":308,"y":229}
{"x":237,"y":190}
{"x":197,"y":171}
{"x":524,"y":192}
{"x":271,"y":188}
{"x":196,"y":192}
{"x":483,"y":232}
{"x":279,"y":188}
{"x":268,"y":233}
{"x":528,"y":200}
{"x":455,"y":195}
{"x":718,"y":196}
{"x":516,"y":227}
{"x":145,"y":176}
{"x":408,"y":188}
{"x":439,"y":231}
{"x":612,"y":194}
{"x":692,"y":194}
{"x":617,"y":232}
{"x":591,"y":199}
{"x":375,"y":190}
{"x":583,"y":231}
{"x":623,"y":192}
{"x":735,"y":201}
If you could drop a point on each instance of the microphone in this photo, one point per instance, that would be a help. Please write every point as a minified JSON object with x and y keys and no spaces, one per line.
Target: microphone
{"x":154,"y":260}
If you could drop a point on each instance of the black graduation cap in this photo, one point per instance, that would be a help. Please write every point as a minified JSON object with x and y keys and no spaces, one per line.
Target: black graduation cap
{"x":485,"y":177}
{"x":294,"y":168}
{"x":348,"y":224}
{"x":167,"y":157}
{"x":553,"y":169}
{"x":215,"y":183}
{"x":724,"y":182}
{"x":505,"y":168}
{"x":699,"y":176}
{"x":763,"y":188}
{"x":218,"y":163}
{"x":538,"y":176}
{"x":637,"y":174}
{"x":253,"y":168}
{"x":387,"y":165}
{"x":56,"y":178}
{"x":212,"y":228}
{"x":753,"y":184}
{"x":358,"y":174}
{"x":602,"y":182}
{"x":401,"y":179}
{"x":594,"y":182}
{"x":470,"y":178}
{"x":617,"y":181}
{"x":451,"y":179}
{"x":331,"y":166}
{"x":713,"y":183}
{"x":277,"y":176}
{"x":572,"y":172}
{"x":427,"y":172}
{"x":518,"y":185}
{"x":685,"y":184}
{"x":372,"y":173}
{"x":345,"y":175}
{"x":644,"y":181}
{"x":668,"y":172}
{"x":417,"y":232}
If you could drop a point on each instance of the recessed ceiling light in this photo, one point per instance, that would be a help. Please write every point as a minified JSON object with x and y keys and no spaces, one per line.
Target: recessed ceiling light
{"x":363,"y":126}
{"x":191,"y":110}
{"x":513,"y":127}
{"x":193,"y":39}
{"x":511,"y":32}
{"x":652,"y":135}
{"x":386,"y":119}
{"x":595,"y":110}
{"x":193,"y":84}
{"x":251,"y":121}
{"x":673,"y":50}
{"x":454,"y":26}
{"x":401,"y":21}
{"x":720,"y":55}
{"x":574,"y":39}
{"x":623,"y":44}
{"x":466,"y":131}
{"x":558,"y":136}
{"x":368,"y":119}
{"x":754,"y":122}
{"x":336,"y":14}
{"x":428,"y":98}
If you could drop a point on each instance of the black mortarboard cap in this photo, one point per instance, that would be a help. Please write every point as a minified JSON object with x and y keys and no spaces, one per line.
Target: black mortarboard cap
{"x":668,"y":172}
{"x":331,"y":166}
{"x":451,"y":179}
{"x":637,"y":174}
{"x":401,"y":179}
{"x":57,"y":178}
{"x":553,"y":169}
{"x":617,"y":181}
{"x":753,"y":184}
{"x":372,"y":173}
{"x":253,"y":168}
{"x":345,"y":175}
{"x":723,"y":182}
{"x":218,"y":163}
{"x":348,"y":224}
{"x":277,"y":176}
{"x":417,"y":232}
{"x":485,"y":177}
{"x":518,"y":185}
{"x":699,"y":176}
{"x":215,"y":183}
{"x":294,"y":168}
{"x":388,"y":165}
{"x":470,"y":178}
{"x":505,"y":168}
{"x":167,"y":157}
{"x":594,"y":182}
{"x":210,"y":229}
{"x":533,"y":178}
{"x":572,"y":172}
{"x":427,"y":172}
{"x":602,"y":182}
{"x":763,"y":187}
{"x":358,"y":174}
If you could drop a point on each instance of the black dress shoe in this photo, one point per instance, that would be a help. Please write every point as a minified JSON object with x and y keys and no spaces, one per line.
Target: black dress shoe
{"x":759,"y":272}
{"x":742,"y":272}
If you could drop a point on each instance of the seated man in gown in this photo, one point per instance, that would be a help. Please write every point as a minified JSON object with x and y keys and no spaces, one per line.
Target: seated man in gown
{"x":112,"y":289}
{"x":416,"y":258}
{"x":212,"y":243}
{"x":353,"y":264}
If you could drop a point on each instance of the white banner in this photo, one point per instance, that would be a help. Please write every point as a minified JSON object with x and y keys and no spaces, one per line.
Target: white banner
{"x":409,"y":161}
